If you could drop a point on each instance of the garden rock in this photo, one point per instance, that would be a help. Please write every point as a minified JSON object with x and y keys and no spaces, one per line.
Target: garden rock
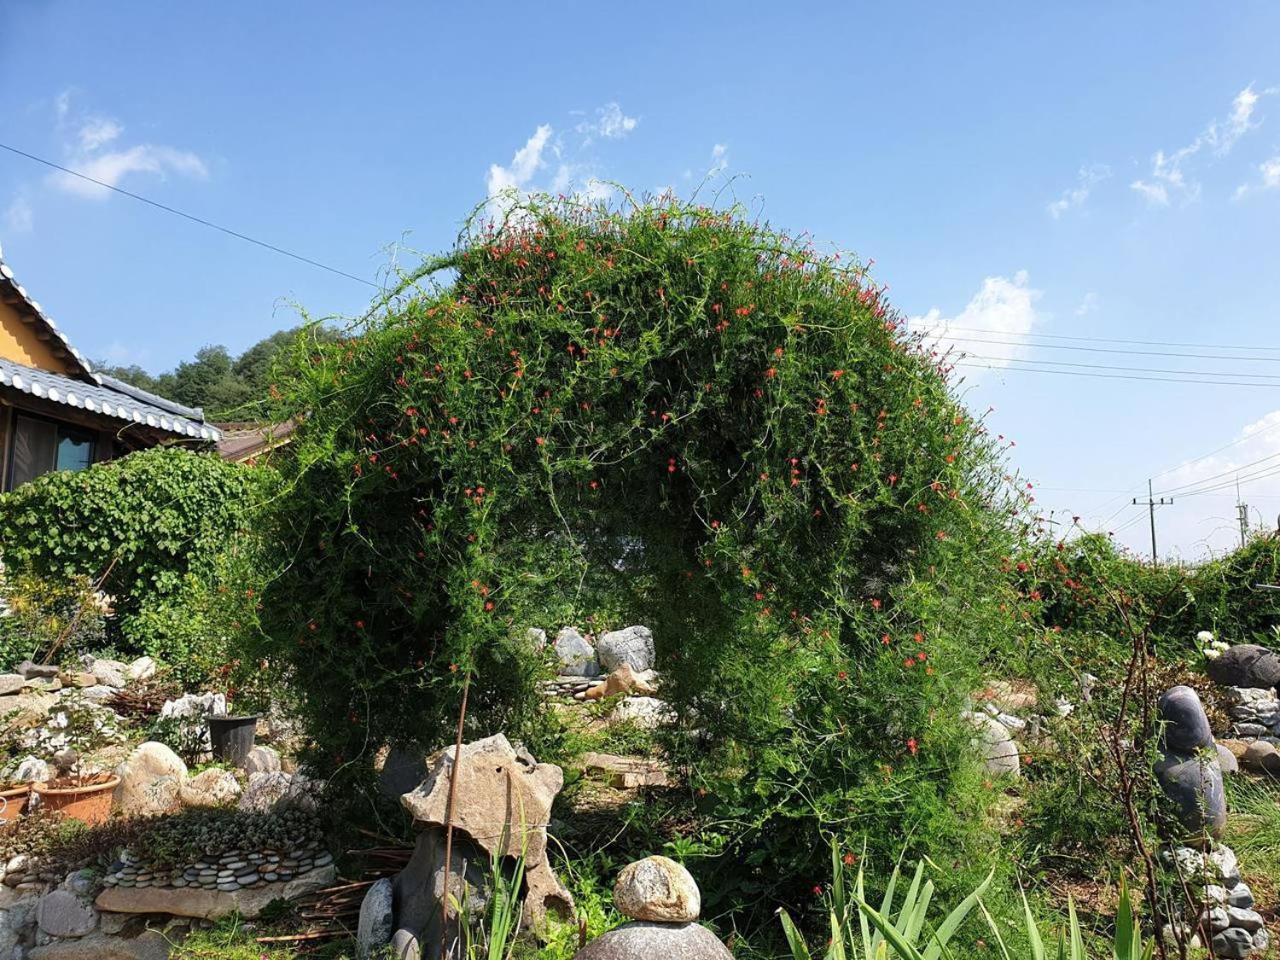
{"x":417,"y":890}
{"x":657,"y":889}
{"x":1227,"y":761}
{"x":1262,"y":755}
{"x":262,"y":760}
{"x":400,"y":767}
{"x":998,"y":749}
{"x":210,"y":788}
{"x":1253,"y":705}
{"x":625,"y":681}
{"x":1233,"y":943}
{"x":632,"y":646}
{"x":1243,"y":665}
{"x":33,"y":770}
{"x":149,"y":945}
{"x":37,"y":671}
{"x":1186,"y":728}
{"x":577,"y":657}
{"x":144,"y":668}
{"x":112,"y":673}
{"x":1194,"y":784}
{"x":208,"y":904}
{"x":11,"y":683}
{"x":502,"y":806}
{"x":648,"y":713}
{"x":272,"y":791}
{"x":63,"y":914}
{"x":642,"y":940}
{"x":377,"y":921}
{"x":150,"y":780}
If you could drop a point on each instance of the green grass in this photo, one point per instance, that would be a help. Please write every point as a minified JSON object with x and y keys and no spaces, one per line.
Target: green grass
{"x":1253,"y":832}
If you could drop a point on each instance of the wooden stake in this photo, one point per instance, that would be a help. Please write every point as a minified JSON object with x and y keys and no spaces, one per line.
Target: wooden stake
{"x":448,"y":820}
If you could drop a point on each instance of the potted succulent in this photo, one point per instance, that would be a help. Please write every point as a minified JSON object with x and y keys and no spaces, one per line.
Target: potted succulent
{"x":77,"y":730}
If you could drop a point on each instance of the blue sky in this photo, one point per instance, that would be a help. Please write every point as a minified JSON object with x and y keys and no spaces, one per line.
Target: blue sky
{"x":1096,"y":170}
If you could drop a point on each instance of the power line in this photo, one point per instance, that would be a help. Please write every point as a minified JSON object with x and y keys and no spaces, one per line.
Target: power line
{"x":1144,"y":353}
{"x":1148,"y":343}
{"x":1264,"y":474}
{"x":1103,"y":366}
{"x":194,"y":219}
{"x":1121,"y":376}
{"x":1234,"y":471}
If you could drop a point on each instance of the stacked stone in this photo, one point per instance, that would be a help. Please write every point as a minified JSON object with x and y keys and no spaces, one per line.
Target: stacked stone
{"x":1227,"y":915}
{"x":569,"y":688}
{"x":226,"y":872}
{"x":32,"y":873}
{"x":1254,"y":710}
{"x":663,"y":902}
{"x":1189,"y":771}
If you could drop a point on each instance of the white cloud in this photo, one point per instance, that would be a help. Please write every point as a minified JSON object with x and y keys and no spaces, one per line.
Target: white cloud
{"x":19,"y":216}
{"x":610,"y":123}
{"x":1073,"y":197}
{"x":1003,"y":310}
{"x":1269,"y":178}
{"x":1169,"y":181}
{"x":526,"y":162}
{"x":1087,"y":305}
{"x":111,"y":168}
{"x":719,"y":159}
{"x":90,"y":146}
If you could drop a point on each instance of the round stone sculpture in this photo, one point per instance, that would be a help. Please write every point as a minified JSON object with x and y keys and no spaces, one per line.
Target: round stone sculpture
{"x":657,"y":889}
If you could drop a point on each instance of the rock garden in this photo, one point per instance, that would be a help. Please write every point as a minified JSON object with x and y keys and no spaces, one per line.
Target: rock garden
{"x":635,"y":584}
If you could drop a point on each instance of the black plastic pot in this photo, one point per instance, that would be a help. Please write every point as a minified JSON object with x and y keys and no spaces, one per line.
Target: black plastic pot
{"x":232,"y":738}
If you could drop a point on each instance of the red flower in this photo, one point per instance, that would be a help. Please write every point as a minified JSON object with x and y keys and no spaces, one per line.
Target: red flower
{"x":912,"y":746}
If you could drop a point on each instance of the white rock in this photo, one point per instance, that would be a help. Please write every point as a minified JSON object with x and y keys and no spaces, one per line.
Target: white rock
{"x":150,"y":780}
{"x":657,"y":889}
{"x":262,"y":760}
{"x":648,"y":713}
{"x":144,"y":668}
{"x":33,"y":770}
{"x":632,"y":645}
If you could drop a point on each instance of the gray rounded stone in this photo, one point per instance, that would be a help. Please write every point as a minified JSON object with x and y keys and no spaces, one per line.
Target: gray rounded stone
{"x":645,"y":941}
{"x":1227,"y":760}
{"x":377,"y":920}
{"x":577,"y":657}
{"x":63,"y":914}
{"x":1186,"y":726}
{"x":1245,"y":665}
{"x":1195,"y":788}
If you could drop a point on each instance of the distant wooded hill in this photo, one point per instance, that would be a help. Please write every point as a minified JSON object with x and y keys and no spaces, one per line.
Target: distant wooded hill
{"x":214,"y":380}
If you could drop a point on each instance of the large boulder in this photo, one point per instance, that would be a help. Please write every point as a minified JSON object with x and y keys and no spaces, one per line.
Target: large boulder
{"x":150,"y":780}
{"x":1246,"y":665}
{"x":632,"y":646}
{"x":502,"y":805}
{"x":501,"y":794}
{"x":1186,"y":728}
{"x":110,"y":673}
{"x":274,"y":791}
{"x":210,"y":788}
{"x":657,"y":889}
{"x":577,"y":657}
{"x":643,"y":940}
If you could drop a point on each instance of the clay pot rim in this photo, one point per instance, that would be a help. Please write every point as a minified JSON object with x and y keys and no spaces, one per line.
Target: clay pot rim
{"x":43,"y":788}
{"x":13,"y":791}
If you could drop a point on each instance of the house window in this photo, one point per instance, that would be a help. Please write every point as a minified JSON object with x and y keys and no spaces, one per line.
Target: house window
{"x":41,"y":446}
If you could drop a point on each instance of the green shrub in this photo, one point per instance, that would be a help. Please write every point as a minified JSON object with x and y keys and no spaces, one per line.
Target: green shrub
{"x":139,"y":524}
{"x":674,"y":417}
{"x":41,"y":617}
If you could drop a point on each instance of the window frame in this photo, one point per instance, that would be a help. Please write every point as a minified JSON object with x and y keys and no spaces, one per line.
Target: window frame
{"x":17,"y":414}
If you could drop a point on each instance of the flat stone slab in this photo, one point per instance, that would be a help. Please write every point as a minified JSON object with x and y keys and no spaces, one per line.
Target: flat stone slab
{"x":211,"y":904}
{"x":151,"y":945}
{"x":625,"y":773}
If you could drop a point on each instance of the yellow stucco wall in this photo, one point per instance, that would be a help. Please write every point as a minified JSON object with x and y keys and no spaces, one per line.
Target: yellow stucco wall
{"x":18,"y":342}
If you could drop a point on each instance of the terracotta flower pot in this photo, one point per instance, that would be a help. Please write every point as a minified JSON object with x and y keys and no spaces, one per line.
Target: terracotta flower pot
{"x":13,"y":802}
{"x":90,"y":803}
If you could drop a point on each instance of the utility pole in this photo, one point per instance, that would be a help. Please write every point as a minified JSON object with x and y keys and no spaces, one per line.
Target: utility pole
{"x":1151,"y":503}
{"x":1242,"y":512}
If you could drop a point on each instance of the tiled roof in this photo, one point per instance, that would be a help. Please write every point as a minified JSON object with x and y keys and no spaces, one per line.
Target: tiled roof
{"x":97,"y":393}
{"x":112,"y":399}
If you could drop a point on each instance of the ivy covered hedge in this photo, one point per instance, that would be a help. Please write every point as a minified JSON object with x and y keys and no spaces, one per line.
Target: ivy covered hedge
{"x":158,"y":529}
{"x":673,"y":416}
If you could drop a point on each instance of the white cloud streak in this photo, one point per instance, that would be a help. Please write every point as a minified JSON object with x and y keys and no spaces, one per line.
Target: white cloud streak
{"x":1169,"y":179}
{"x":1074,"y":197}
